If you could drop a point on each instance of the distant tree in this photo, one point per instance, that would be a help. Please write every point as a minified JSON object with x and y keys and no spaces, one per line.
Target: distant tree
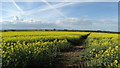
{"x":54,"y":29}
{"x":65,"y":30}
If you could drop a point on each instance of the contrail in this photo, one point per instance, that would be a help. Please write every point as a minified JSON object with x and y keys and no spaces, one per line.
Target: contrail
{"x":54,"y":9}
{"x":48,"y":8}
{"x":17,"y":6}
{"x":59,"y":5}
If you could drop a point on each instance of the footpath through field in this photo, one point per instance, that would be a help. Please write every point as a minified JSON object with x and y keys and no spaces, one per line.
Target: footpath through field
{"x":70,"y":58}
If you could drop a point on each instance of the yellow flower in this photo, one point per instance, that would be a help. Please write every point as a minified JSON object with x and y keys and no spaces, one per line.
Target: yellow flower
{"x":116,"y":47}
{"x":115,"y":61}
{"x":90,"y":51}
{"x":96,"y":55}
{"x":93,"y":49}
{"x":102,"y":55}
{"x":108,"y":54}
{"x":111,"y":64}
{"x":101,"y":50}
{"x":109,"y":47}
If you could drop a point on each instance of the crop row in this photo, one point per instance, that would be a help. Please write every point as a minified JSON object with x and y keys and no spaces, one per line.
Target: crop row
{"x":102,"y":51}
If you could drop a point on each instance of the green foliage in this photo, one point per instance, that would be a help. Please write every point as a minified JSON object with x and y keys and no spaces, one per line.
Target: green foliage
{"x":24,"y":50}
{"x":22,"y":55}
{"x":27,"y":49}
{"x":102,"y":51}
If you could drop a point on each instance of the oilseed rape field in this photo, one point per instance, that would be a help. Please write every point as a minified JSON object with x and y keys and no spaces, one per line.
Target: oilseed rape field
{"x":28,"y":49}
{"x":103,"y":49}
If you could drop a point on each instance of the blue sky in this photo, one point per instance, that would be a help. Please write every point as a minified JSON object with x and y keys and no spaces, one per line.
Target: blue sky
{"x":60,"y":15}
{"x":95,"y":10}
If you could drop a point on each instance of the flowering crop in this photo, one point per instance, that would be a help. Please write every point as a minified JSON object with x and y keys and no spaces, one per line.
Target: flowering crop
{"x":102,"y":50}
{"x":33,"y":48}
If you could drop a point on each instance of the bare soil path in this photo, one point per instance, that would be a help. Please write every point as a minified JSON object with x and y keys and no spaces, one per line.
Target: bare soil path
{"x":69,"y":58}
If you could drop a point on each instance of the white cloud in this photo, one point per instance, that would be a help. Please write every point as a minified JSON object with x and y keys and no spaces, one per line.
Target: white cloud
{"x":106,"y":22}
{"x":66,"y":23}
{"x":74,"y":23}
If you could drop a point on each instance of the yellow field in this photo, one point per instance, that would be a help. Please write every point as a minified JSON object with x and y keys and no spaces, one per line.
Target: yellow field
{"x":22,"y":47}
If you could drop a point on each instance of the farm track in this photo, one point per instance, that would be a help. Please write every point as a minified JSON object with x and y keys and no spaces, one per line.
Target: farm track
{"x":69,"y":59}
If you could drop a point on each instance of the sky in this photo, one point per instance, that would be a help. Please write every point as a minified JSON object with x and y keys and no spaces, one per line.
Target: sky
{"x":60,"y":15}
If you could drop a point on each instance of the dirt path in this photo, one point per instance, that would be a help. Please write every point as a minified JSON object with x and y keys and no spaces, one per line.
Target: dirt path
{"x":69,"y":59}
